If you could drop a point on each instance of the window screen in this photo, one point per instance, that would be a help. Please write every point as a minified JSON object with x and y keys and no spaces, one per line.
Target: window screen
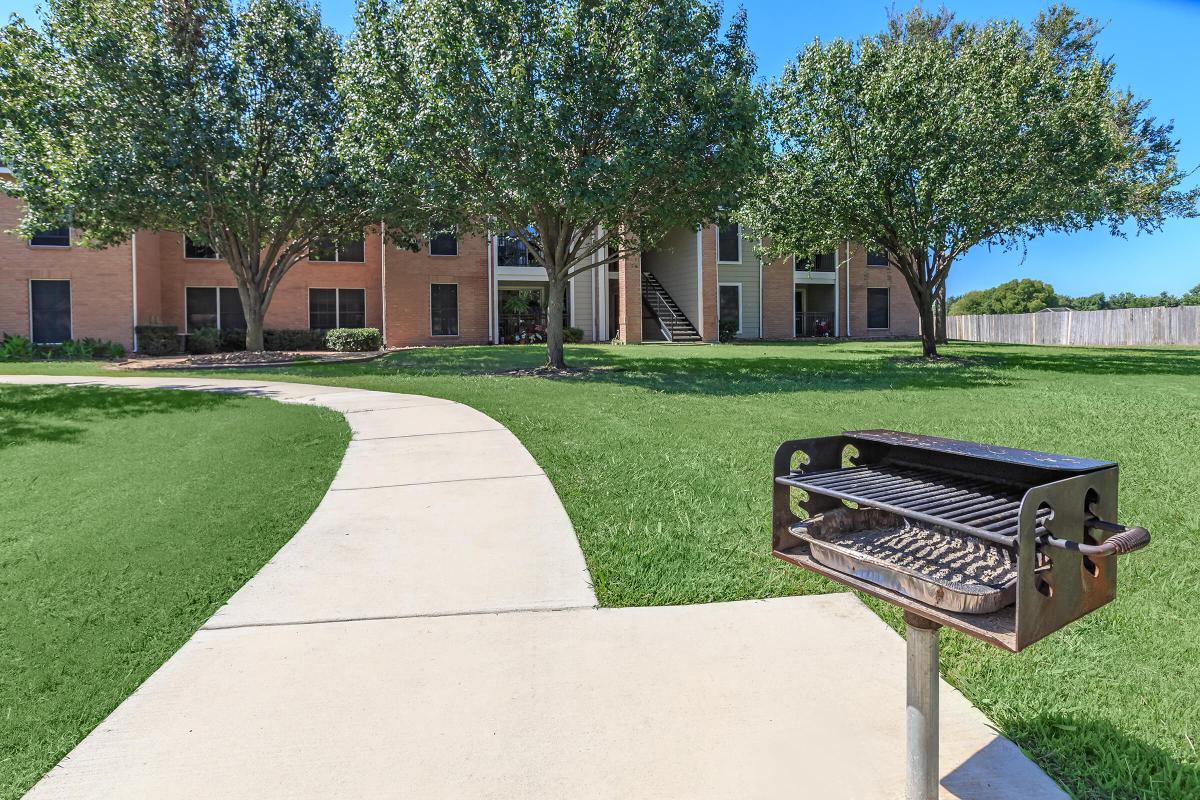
{"x":730,"y":305}
{"x":195,"y":250}
{"x":55,"y":237}
{"x":50,"y":311}
{"x":322,"y":309}
{"x":232,"y":318}
{"x":877,"y":308}
{"x":728,"y":242}
{"x":877,"y":258}
{"x":351,"y":250}
{"x":352,"y":308}
{"x":443,"y":309}
{"x":443,"y":244}
{"x":201,"y":308}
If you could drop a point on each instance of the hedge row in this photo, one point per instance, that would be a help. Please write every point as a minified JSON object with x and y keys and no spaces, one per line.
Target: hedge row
{"x":158,"y":340}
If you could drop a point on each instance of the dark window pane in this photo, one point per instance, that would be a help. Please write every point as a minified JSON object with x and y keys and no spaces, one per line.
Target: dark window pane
{"x":443,"y":309}
{"x":233,"y":318}
{"x":512,"y":252}
{"x":352,"y":308}
{"x":803,"y":262}
{"x":443,"y":244}
{"x":877,"y":308}
{"x":322,"y":250}
{"x":195,"y":250}
{"x":730,"y":305}
{"x":201,"y":308}
{"x":351,"y":250}
{"x":322,"y":309}
{"x":824,"y":262}
{"x":50,"y":307}
{"x":728,"y":246}
{"x":877,"y":259}
{"x":55,"y":237}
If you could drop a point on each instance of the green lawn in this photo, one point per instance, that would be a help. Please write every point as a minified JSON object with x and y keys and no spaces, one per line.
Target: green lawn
{"x":128,"y":518}
{"x":662,"y":456}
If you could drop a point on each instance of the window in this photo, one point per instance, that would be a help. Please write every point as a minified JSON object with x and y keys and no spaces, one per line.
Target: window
{"x":213,"y":307}
{"x":511,"y":251}
{"x":444,"y":243}
{"x":49,"y":311}
{"x":443,"y":309}
{"x":729,"y":303}
{"x":195,"y":250}
{"x":822,"y":262}
{"x":337,"y":308}
{"x":347,"y":250}
{"x":878,"y":302}
{"x":729,"y":243}
{"x":877,"y":258}
{"x":55,"y":237}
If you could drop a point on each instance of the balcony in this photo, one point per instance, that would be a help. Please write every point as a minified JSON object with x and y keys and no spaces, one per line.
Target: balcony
{"x":818,"y":269}
{"x":814,"y":324}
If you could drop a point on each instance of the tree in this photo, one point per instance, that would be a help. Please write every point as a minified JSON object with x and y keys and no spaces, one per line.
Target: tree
{"x":936,"y":136}
{"x":1191,"y":297}
{"x":1014,"y":297}
{"x":586,"y":129}
{"x":197,"y":116}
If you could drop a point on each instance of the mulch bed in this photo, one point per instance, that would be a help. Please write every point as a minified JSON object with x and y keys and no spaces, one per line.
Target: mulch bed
{"x":242,"y":360}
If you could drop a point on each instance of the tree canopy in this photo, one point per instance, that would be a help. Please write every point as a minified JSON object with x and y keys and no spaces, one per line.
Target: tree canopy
{"x":198,"y":116}
{"x":1025,"y":295}
{"x":936,"y":136}
{"x":583,"y":128}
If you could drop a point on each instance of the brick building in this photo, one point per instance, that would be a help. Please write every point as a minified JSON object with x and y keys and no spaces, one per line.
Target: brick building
{"x":472,"y":290}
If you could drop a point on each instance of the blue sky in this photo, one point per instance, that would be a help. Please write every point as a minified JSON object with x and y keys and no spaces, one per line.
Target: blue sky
{"x":1153,"y":44}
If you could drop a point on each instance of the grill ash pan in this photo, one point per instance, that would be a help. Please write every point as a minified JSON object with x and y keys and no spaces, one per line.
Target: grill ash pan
{"x":934,"y":565}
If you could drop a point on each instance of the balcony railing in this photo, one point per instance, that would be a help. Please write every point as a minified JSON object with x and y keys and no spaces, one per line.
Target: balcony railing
{"x":814,"y":324}
{"x":522,"y":328}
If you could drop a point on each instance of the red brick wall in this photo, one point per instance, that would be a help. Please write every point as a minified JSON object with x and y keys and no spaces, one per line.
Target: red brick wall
{"x":101,"y":282}
{"x":903,"y":319}
{"x":708,"y":283}
{"x":779,"y":293}
{"x":409,"y":276}
{"x":289,"y":306}
{"x":149,"y":277}
{"x":629,"y":296}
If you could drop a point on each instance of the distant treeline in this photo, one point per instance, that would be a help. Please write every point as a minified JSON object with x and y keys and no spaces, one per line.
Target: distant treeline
{"x":1025,"y":295}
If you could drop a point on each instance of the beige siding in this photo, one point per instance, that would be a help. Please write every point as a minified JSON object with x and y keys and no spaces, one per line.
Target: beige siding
{"x":674,"y":264}
{"x":746,"y":274}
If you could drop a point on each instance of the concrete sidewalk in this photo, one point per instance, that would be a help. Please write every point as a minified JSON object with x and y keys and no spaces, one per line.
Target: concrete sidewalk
{"x":430,"y":632}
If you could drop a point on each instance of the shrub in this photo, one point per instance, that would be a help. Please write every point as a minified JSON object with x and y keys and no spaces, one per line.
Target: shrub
{"x":157,"y":340}
{"x":300,"y":339}
{"x":16,"y":348}
{"x":203,"y":341}
{"x":727,"y":330}
{"x":572,"y":335}
{"x":353,"y":339}
{"x":232,"y":341}
{"x":76,"y":349}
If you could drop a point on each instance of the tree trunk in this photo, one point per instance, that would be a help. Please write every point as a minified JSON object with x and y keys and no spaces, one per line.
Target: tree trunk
{"x":928,"y":323}
{"x":939,"y":323}
{"x":254,"y":328}
{"x":554,"y":321}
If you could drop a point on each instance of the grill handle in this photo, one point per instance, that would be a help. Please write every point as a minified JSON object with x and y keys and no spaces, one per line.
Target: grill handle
{"x":1123,"y":540}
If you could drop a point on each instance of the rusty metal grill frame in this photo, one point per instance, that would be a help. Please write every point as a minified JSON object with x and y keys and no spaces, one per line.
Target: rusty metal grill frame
{"x":1034,"y":503}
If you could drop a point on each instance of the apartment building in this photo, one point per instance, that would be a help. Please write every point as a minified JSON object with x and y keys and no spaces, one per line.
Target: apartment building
{"x":455,"y":290}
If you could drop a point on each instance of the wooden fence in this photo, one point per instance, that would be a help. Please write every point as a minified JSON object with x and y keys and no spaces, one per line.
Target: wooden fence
{"x":1126,"y":326}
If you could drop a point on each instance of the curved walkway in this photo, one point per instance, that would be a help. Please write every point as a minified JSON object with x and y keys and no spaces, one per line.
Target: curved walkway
{"x":394,"y":647}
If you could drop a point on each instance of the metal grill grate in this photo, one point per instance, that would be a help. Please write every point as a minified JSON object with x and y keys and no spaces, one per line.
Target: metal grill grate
{"x":976,"y":506}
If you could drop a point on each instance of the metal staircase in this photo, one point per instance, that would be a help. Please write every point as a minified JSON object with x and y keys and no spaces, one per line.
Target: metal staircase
{"x":674,"y":325}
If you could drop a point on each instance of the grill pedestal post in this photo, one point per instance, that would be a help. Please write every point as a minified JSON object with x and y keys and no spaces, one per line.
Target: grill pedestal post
{"x":921,"y":715}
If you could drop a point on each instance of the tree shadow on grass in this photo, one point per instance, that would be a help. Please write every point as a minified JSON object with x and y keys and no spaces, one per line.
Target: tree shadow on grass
{"x":30,"y":414}
{"x":1092,"y":360}
{"x":681,"y":370}
{"x":1095,"y":759}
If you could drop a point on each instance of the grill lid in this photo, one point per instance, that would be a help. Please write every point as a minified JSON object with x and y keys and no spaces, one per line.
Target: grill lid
{"x":989,"y":452}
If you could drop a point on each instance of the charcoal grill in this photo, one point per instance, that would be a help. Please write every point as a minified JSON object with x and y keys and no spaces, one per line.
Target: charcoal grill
{"x":1005,"y":545}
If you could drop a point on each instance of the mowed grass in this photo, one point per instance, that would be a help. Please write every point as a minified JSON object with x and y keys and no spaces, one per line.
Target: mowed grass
{"x":128,"y":518}
{"x":662,"y":456}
